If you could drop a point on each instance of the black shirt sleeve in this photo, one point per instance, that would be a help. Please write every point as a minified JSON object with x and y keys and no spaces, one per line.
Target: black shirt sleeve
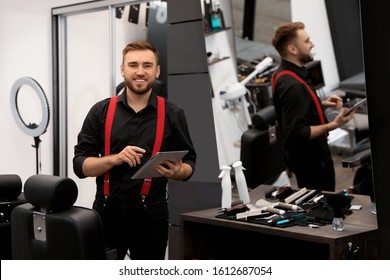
{"x":179,"y":136}
{"x":89,"y":138}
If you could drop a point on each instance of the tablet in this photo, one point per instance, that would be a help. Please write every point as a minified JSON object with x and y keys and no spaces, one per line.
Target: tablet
{"x":355,"y":106}
{"x":147,"y":170}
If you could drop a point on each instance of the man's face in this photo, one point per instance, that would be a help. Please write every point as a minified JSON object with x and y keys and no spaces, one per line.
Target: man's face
{"x":304,"y":46}
{"x":140,"y":70}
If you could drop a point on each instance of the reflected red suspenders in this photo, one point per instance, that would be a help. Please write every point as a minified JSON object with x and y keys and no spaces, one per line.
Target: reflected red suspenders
{"x":313,"y":95}
{"x":157,"y":141}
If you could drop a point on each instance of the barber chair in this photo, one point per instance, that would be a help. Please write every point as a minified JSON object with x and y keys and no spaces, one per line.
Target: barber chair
{"x":362,"y":181}
{"x":48,"y":226}
{"x":353,"y":137}
{"x":262,"y":149}
{"x":10,"y":197}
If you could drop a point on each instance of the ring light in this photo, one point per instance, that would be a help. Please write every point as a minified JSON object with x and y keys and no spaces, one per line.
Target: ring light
{"x":31,"y":129}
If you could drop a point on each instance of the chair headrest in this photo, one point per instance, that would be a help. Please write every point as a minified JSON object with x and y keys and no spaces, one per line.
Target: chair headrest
{"x":264,"y":117}
{"x":50,"y":192}
{"x":10,"y":187}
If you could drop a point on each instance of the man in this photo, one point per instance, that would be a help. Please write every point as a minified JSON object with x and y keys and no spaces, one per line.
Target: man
{"x":134,"y":219}
{"x":300,"y":112}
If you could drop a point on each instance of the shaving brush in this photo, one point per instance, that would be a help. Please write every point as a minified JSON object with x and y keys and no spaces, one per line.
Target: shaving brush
{"x":338,"y":202}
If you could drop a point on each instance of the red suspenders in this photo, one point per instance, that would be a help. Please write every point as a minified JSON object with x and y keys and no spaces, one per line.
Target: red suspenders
{"x":157,"y":141}
{"x":313,"y":95}
{"x":107,"y":142}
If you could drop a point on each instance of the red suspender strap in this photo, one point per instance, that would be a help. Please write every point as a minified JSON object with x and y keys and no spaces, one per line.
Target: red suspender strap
{"x":157,"y":141}
{"x":107,"y":142}
{"x":313,"y":95}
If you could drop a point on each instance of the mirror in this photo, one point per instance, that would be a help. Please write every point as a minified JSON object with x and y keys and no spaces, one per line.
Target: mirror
{"x":267,"y":16}
{"x":227,"y":52}
{"x":87,"y":73}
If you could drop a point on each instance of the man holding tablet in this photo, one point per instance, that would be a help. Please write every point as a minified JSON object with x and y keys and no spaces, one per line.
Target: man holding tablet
{"x":117,"y":138}
{"x":300,"y":111}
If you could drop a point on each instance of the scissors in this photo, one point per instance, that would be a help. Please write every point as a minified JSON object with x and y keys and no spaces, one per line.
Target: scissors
{"x":314,"y":200}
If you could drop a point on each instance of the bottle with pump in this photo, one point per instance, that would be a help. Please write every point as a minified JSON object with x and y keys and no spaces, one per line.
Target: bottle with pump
{"x":216,"y":21}
{"x":226,"y":184}
{"x":241,"y":182}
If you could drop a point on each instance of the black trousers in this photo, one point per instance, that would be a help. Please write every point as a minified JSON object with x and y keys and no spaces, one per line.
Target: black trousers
{"x":134,"y":228}
{"x":314,"y":174}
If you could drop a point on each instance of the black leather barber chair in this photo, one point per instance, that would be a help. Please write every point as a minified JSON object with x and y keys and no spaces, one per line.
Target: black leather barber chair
{"x":10,"y":197}
{"x":50,"y":227}
{"x":352,"y":90}
{"x":362,"y":181}
{"x":262,"y":149}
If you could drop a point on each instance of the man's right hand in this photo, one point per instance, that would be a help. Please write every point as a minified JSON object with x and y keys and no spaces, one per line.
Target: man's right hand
{"x":96,"y":166}
{"x":131,"y":155}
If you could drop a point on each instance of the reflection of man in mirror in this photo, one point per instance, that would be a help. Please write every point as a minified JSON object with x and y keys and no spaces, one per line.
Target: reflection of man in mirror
{"x":134,"y":212}
{"x":300,"y":111}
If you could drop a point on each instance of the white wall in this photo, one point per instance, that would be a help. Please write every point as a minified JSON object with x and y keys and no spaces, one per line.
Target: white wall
{"x":314,"y":15}
{"x":25,"y":50}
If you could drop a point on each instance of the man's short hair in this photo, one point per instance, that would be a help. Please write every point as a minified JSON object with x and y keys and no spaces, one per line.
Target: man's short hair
{"x":141,"y":45}
{"x":285,"y":34}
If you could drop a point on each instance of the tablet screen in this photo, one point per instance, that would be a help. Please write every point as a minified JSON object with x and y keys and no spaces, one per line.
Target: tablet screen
{"x":355,"y":106}
{"x":147,"y":170}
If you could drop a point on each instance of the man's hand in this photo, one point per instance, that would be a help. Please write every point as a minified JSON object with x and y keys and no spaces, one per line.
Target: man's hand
{"x":174,"y":170}
{"x":131,"y":155}
{"x":96,"y":166}
{"x":342,"y":119}
{"x":333,"y":101}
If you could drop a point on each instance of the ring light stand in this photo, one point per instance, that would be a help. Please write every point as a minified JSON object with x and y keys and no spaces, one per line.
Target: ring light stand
{"x":32,"y":129}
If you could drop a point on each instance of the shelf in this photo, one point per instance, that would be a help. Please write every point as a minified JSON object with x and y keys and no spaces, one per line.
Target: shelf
{"x":218,"y":60}
{"x":208,"y":33}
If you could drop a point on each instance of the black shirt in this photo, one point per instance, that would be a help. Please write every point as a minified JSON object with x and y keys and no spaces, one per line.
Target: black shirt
{"x":134,"y":129}
{"x":296,"y":112}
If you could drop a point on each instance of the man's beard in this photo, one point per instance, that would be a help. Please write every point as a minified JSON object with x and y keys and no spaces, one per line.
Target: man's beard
{"x":139,"y":91}
{"x":305,"y":58}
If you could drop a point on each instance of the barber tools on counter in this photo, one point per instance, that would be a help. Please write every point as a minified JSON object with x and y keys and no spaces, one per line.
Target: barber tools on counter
{"x":283,"y":206}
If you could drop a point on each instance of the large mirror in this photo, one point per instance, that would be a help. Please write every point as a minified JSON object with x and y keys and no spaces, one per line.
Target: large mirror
{"x":232,"y":54}
{"x":89,"y":38}
{"x":337,"y":43}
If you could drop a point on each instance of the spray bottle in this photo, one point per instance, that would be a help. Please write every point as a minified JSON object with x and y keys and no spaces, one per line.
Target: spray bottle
{"x":226,"y":184}
{"x":241,"y":182}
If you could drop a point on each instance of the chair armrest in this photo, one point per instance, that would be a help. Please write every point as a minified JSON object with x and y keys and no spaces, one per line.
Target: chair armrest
{"x":358,"y":159}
